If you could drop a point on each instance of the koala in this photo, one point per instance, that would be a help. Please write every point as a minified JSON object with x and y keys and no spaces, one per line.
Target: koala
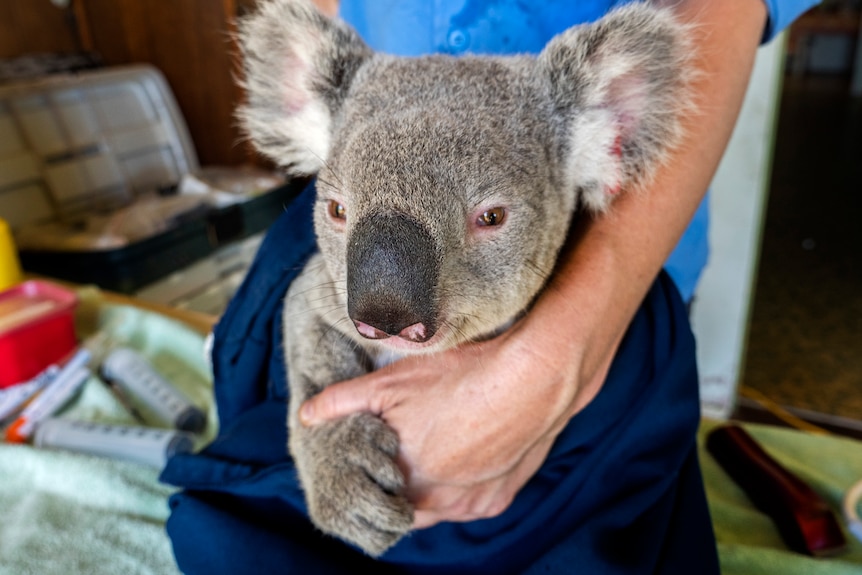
{"x":446,"y":187}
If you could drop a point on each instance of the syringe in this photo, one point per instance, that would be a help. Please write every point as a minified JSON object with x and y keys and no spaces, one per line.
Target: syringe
{"x":150,"y":395}
{"x":140,"y":444}
{"x":53,"y":397}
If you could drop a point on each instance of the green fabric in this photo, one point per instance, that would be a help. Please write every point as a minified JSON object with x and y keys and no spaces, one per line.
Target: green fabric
{"x":748,"y":542}
{"x":65,"y":513}
{"x":68,"y":514}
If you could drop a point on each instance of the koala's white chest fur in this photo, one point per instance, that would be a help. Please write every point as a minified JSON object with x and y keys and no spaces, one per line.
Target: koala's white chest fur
{"x":387,"y":357}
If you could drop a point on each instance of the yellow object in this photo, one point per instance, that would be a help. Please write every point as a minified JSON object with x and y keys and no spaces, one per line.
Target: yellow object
{"x":10,"y":267}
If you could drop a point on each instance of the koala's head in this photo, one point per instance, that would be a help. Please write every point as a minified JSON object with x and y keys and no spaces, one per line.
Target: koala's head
{"x":446,"y":185}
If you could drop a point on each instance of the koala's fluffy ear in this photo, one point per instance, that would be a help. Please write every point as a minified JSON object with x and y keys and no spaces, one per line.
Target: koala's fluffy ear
{"x":298,"y":68}
{"x":619,"y":87}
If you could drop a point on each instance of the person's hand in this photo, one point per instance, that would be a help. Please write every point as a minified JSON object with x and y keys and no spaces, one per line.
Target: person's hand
{"x":474,"y":423}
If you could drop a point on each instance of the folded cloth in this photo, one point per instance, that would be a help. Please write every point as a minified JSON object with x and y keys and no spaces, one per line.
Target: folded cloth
{"x":620,"y":491}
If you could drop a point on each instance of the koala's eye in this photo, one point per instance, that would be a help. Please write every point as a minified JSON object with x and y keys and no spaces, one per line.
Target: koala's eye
{"x":336,"y":210}
{"x":492,"y":217}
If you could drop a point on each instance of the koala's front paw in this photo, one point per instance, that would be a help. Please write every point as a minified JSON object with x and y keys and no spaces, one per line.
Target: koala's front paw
{"x":352,"y":485}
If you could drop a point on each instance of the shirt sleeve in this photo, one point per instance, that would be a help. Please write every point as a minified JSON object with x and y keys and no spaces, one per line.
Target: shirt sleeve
{"x":782,"y":13}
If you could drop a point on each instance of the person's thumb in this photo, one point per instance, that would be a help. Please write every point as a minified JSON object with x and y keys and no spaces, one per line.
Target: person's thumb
{"x":338,"y":400}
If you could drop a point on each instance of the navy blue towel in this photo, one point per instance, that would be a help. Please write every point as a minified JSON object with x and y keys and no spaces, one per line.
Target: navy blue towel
{"x":620,"y":492}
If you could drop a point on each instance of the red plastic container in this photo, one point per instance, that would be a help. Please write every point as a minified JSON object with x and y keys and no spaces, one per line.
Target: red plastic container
{"x":37,"y":328}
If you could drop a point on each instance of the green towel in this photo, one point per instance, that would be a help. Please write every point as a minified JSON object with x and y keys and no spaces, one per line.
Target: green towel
{"x":68,"y":514}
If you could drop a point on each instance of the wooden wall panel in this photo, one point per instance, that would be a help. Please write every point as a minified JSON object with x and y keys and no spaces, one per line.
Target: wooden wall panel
{"x":189,"y":42}
{"x":33,"y":26}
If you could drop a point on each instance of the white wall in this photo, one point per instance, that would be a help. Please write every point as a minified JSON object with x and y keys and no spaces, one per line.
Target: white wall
{"x":722,"y":304}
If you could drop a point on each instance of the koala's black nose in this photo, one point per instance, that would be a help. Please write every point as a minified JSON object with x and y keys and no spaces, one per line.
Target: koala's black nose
{"x":392,"y":273}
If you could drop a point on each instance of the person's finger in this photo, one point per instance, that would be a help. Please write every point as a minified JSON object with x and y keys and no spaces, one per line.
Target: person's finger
{"x":480,"y":501}
{"x":465,"y":504}
{"x":339,"y":400}
{"x":374,"y":392}
{"x":423,"y":519}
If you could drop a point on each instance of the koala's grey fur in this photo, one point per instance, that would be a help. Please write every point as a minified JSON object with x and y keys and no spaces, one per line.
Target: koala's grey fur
{"x":414,"y":151}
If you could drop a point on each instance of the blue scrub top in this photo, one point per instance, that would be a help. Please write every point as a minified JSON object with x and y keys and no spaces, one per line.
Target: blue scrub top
{"x":415,"y":27}
{"x":420,"y":27}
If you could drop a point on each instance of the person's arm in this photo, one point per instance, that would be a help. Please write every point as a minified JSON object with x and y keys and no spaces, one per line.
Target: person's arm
{"x":476,"y":423}
{"x":328,"y":7}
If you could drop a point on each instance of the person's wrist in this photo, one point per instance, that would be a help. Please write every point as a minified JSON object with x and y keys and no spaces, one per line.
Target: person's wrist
{"x":583,"y":313}
{"x":546,"y":357}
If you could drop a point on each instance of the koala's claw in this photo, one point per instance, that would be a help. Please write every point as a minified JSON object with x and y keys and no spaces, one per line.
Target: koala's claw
{"x":374,"y":520}
{"x":356,"y":490}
